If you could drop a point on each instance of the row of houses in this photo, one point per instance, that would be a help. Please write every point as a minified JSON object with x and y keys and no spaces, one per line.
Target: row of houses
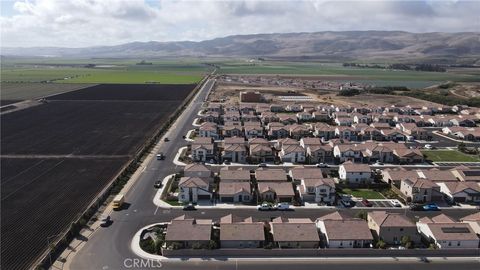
{"x":290,"y":113}
{"x":305,"y":150}
{"x":242,"y":186}
{"x":459,"y":185}
{"x":463,"y":133}
{"x":334,"y":230}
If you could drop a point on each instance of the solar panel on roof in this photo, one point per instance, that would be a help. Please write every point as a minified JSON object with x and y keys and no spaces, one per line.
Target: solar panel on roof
{"x":455,"y":230}
{"x":471,"y":173}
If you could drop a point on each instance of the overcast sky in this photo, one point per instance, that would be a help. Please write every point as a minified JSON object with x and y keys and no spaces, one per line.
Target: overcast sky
{"x":81,"y":23}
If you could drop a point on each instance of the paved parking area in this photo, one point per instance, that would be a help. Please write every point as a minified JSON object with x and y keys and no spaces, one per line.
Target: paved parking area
{"x":377,"y":203}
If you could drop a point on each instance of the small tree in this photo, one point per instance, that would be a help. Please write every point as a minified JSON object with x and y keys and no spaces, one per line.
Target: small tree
{"x":432,"y":246}
{"x":462,"y":147}
{"x":196,"y":245}
{"x":381,"y":244}
{"x":212,"y":245}
{"x":362,"y":214}
{"x":406,"y":241}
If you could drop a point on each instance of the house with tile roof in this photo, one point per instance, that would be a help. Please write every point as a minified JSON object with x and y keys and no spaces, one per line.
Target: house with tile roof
{"x":392,"y":227}
{"x":446,"y":233}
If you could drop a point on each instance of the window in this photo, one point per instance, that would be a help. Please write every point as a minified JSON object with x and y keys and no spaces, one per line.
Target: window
{"x":401,"y":229}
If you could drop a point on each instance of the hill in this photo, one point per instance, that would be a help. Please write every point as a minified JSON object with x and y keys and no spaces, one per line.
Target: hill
{"x":396,"y":46}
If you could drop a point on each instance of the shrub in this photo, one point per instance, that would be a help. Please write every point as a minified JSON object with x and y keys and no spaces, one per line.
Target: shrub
{"x":380,"y":244}
{"x":362,"y":214}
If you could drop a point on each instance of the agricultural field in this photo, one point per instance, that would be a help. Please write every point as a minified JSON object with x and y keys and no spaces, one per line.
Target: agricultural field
{"x":41,"y":197}
{"x":58,"y":155}
{"x":449,"y":155}
{"x":146,"y":92}
{"x":102,"y":71}
{"x":14,"y":92}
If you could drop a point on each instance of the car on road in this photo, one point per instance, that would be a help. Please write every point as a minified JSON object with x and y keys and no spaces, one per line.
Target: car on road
{"x":347,"y":203}
{"x":227,"y":162}
{"x":428,"y":146}
{"x":367,"y":203}
{"x":322,"y":165}
{"x":189,"y":207}
{"x":105,"y":220}
{"x":262,"y":165}
{"x":265,"y":207}
{"x":416,"y":207}
{"x":160,"y":156}
{"x":166,"y":139}
{"x":395,"y":203}
{"x":158,"y":184}
{"x":431,"y":207}
{"x":283,"y":206}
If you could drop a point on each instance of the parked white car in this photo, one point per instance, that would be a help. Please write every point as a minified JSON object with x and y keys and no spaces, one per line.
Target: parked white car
{"x":283,"y":206}
{"x":265,"y":207}
{"x":395,"y":203}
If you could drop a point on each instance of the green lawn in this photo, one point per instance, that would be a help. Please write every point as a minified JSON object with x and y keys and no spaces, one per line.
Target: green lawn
{"x":175,"y":203}
{"x":362,"y":193}
{"x":449,"y":155}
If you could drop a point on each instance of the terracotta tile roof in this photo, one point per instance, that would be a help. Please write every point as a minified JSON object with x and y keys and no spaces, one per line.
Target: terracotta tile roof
{"x":192,"y":182}
{"x":270,"y":175}
{"x":348,"y":229}
{"x":235,"y":219}
{"x":281,"y":189}
{"x":232,"y":188}
{"x":315,"y":182}
{"x":334,"y":216}
{"x":242,"y":232}
{"x":296,"y":232}
{"x":384,"y":219}
{"x":188,"y":230}
{"x":287,"y":149}
{"x":472,"y":217}
{"x":196,"y":167}
{"x":452,"y":231}
{"x":456,"y":187}
{"x":304,"y":173}
{"x":234,"y":175}
{"x":355,"y":167}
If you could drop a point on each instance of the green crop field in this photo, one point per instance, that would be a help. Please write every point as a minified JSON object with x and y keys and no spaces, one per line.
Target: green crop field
{"x":102,"y":71}
{"x":449,"y":155}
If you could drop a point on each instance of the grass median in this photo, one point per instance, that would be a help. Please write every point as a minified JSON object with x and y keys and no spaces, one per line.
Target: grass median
{"x":449,"y":156}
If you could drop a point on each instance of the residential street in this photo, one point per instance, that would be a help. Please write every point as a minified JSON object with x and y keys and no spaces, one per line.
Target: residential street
{"x":108,"y":248}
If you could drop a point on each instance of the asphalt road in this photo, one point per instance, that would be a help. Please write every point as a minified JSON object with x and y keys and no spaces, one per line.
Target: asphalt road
{"x":321,"y":264}
{"x":108,"y":248}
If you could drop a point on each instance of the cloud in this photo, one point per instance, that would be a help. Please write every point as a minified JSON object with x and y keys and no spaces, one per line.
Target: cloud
{"x":79,"y":23}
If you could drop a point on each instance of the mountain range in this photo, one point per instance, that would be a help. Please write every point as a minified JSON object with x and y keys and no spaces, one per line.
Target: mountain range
{"x":351,"y":45}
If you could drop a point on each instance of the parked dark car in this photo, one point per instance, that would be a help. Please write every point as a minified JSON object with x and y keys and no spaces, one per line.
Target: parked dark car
{"x":189,"y":207}
{"x":431,"y":207}
{"x":105,"y":221}
{"x":166,"y":139}
{"x":416,"y":207}
{"x":367,"y":203}
{"x":347,"y":203}
{"x":158,"y":184}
